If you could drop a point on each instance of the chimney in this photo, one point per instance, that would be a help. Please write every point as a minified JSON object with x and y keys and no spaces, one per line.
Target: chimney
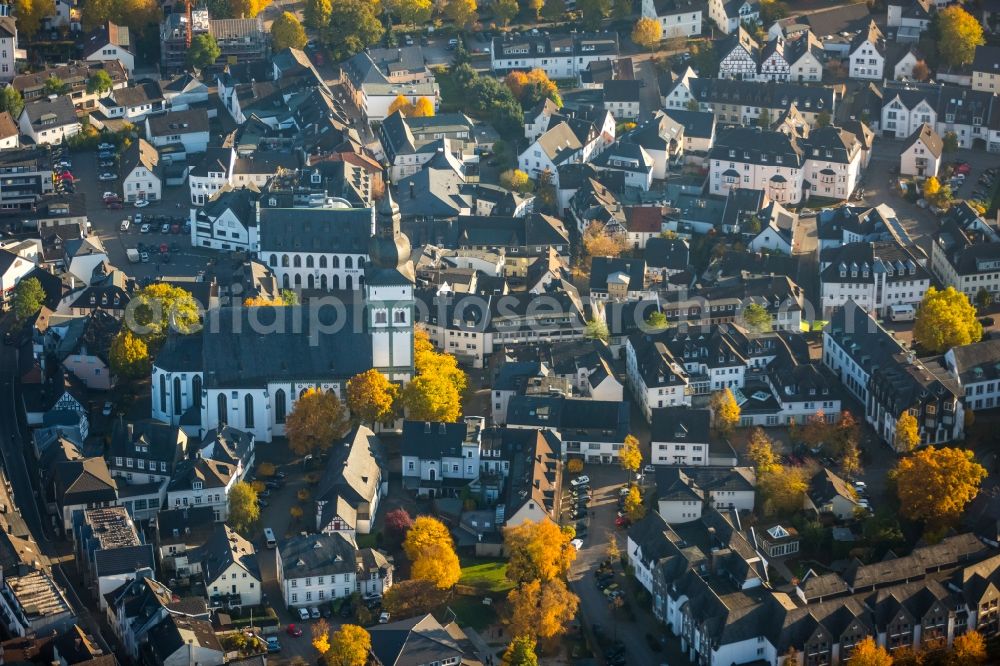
{"x":443,"y":428}
{"x":717,"y":555}
{"x":427,"y":427}
{"x":412,"y":188}
{"x":129,"y":429}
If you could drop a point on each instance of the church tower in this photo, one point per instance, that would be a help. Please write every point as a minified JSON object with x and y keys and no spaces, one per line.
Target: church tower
{"x":389,"y":307}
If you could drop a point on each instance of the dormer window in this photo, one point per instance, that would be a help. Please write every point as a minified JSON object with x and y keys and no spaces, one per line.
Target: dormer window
{"x":197,"y":485}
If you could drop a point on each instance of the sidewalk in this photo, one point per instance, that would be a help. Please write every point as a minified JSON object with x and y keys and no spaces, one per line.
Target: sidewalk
{"x":487,"y":654}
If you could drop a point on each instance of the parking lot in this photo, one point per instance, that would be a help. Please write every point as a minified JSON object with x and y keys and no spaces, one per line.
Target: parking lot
{"x":184,"y":261}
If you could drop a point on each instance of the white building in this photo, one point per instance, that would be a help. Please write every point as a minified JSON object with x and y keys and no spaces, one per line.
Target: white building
{"x":8,"y":47}
{"x":876,"y":276}
{"x":561,"y":56}
{"x":202,"y":482}
{"x":188,"y":128}
{"x":740,"y":55}
{"x":50,"y":120}
{"x":680,"y":436}
{"x":229,"y":567}
{"x":751,"y":159}
{"x":12,"y":269}
{"x":921,"y":154}
{"x":207,"y":176}
{"x":678,"y":18}
{"x":975,"y":368}
{"x":138,"y":166}
{"x":110,"y":42}
{"x":228,"y":221}
{"x":441,"y":458}
{"x":721,"y":488}
{"x":867,"y":54}
{"x":316,"y":569}
{"x":729,"y":15}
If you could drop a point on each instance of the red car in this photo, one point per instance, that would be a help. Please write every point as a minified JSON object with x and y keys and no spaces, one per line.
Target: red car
{"x":163,"y":248}
{"x":293,"y":631}
{"x":622,"y":521}
{"x":175,"y":229}
{"x":962,"y":168}
{"x":66,"y":175}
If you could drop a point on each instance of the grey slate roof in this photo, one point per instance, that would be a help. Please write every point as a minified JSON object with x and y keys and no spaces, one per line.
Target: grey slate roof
{"x":317,"y":555}
{"x":321,"y":230}
{"x":680,"y":424}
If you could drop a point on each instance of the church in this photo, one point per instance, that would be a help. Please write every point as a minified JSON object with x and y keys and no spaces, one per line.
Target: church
{"x":248,"y":366}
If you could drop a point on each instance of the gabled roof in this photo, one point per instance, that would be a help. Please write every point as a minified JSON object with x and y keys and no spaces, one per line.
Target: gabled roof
{"x":51,"y":113}
{"x":140,"y":153}
{"x":418,"y":640}
{"x":931,"y":140}
{"x":108,"y":34}
{"x":317,"y":555}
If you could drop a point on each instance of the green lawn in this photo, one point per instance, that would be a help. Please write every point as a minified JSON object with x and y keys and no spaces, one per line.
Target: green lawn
{"x":485,"y":575}
{"x":471,"y":612}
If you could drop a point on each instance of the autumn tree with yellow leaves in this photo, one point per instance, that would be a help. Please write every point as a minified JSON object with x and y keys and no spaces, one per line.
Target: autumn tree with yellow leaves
{"x":461,"y":12}
{"x":760,"y":451}
{"x":531,"y":87}
{"x":634,"y":507}
{"x":129,"y":355}
{"x":321,"y":636}
{"x":317,"y":420}
{"x":371,"y":397}
{"x":907,"y":435}
{"x":349,"y":646}
{"x":782,"y":488}
{"x":431,"y":552}
{"x":869,"y":653}
{"x":647,"y":33}
{"x":968,"y":649}
{"x":961,"y":33}
{"x":597,"y":242}
{"x":935,"y":484}
{"x":946,"y":319}
{"x":435,"y":393}
{"x":160,"y":308}
{"x":537,"y":550}
{"x":541,"y":609}
{"x":725,"y":411}
{"x":629,"y":456}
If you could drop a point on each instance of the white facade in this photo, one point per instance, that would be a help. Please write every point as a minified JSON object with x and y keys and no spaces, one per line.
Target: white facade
{"x":901,"y":122}
{"x":19,"y":267}
{"x":48,"y":134}
{"x":111,"y":52}
{"x":217,"y":498}
{"x":918,"y":160}
{"x":746,"y":12}
{"x":141,"y":183}
{"x":830,"y":179}
{"x":193,"y":142}
{"x":782,"y":182}
{"x":867,"y":62}
{"x":225,"y":232}
{"x":807,"y":68}
{"x":678,"y":21}
{"x":8,"y":52}
{"x":236,"y":579}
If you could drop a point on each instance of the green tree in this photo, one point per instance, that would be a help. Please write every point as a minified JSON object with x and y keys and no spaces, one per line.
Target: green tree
{"x":756,"y":318}
{"x":413,"y":12}
{"x":984,"y":299}
{"x":656,"y":320}
{"x":621,"y":9}
{"x":960,"y":34}
{"x":286,"y":31}
{"x":129,"y":355}
{"x":54,"y":86}
{"x":11,"y":102}
{"x":354,"y":26}
{"x":204,"y":51}
{"x":764,"y":118}
{"x":692,"y":105}
{"x":521,"y":652}
{"x":505,"y":10}
{"x":596,"y":329}
{"x":244,"y":509}
{"x":554,"y":10}
{"x":159,"y":308}
{"x":29,"y":296}
{"x":317,"y":14}
{"x":823,"y":119}
{"x":946,"y":319}
{"x":594,"y":11}
{"x":949,"y":142}
{"x":461,"y":12}
{"x":99,"y":82}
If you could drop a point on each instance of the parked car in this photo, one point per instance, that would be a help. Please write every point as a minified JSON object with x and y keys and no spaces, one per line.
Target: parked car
{"x":144,"y":257}
{"x":580,"y":480}
{"x":383,"y":618}
{"x":141,"y":203}
{"x":105,"y":155}
{"x":577,"y":543}
{"x":145,"y":229}
{"x":124,"y":225}
{"x":273,"y":645}
{"x":106,"y":164}
{"x":105,"y":146}
{"x":292,"y":629}
{"x":314,"y":613}
{"x":107,"y":175}
{"x":303,"y":613}
{"x":961,"y":168}
{"x":113,"y":205}
{"x":165,"y":228}
{"x":107,"y":409}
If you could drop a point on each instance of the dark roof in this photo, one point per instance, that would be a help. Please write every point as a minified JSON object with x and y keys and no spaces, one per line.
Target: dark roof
{"x":680,"y":424}
{"x":51,"y":113}
{"x":670,"y":253}
{"x":699,"y":124}
{"x":622,"y":91}
{"x":433,"y":440}
{"x":317,"y":555}
{"x":418,"y":640}
{"x":324,"y":230}
{"x":745,"y":144}
{"x":130,"y":559}
{"x":192,"y":525}
{"x":178,"y":122}
{"x":142,"y":93}
{"x":987,"y":59}
{"x":175,"y":632}
{"x":602,"y":268}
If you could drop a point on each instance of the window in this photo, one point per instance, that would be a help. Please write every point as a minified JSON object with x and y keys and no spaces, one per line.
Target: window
{"x":223,"y":408}
{"x":248,"y":416}
{"x":280,"y":407}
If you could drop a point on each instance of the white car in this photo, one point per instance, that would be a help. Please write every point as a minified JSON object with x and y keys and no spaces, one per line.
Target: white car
{"x":141,"y":203}
{"x":577,"y":543}
{"x":383,"y":618}
{"x":303,"y":614}
{"x":107,"y":409}
{"x":107,"y":175}
{"x":109,"y":195}
{"x":580,"y":481}
{"x":105,"y":146}
{"x":649,"y":468}
{"x":314,"y":613}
